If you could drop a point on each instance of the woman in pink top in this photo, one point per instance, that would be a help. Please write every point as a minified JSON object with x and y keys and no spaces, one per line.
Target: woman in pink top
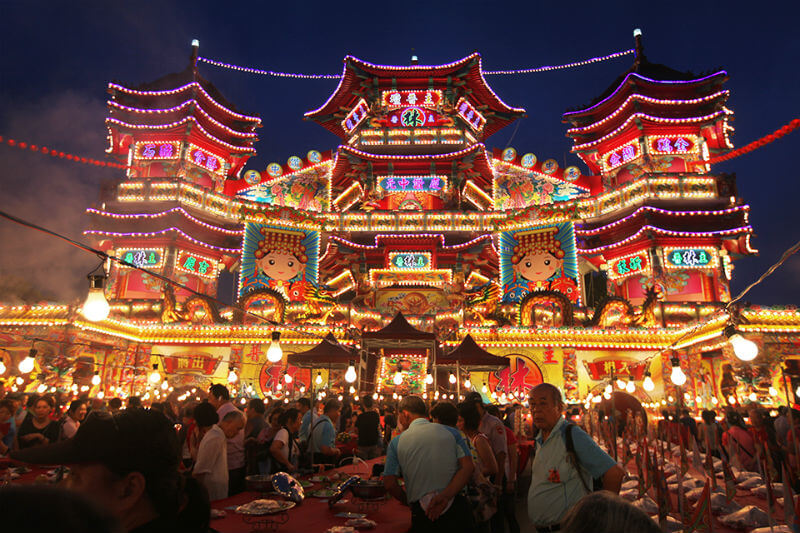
{"x":737,"y":440}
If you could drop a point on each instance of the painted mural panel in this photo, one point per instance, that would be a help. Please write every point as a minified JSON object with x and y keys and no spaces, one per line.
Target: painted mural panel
{"x":517,"y":190}
{"x":281,"y":259}
{"x":539,"y":259}
{"x":308,"y":191}
{"x":197,"y":366}
{"x":411,"y":301}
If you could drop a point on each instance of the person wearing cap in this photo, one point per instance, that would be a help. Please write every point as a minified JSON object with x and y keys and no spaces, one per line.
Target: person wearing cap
{"x":558,"y":483}
{"x":220,"y":397}
{"x":127,"y":464}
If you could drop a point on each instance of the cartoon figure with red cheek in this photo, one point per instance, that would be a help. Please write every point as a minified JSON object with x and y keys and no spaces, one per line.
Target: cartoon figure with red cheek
{"x":538,"y":264}
{"x":280,"y":257}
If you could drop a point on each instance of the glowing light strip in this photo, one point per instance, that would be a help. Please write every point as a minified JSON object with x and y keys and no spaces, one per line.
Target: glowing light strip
{"x":671,"y":233}
{"x":269,"y":72}
{"x":178,"y":108}
{"x":547,"y":68}
{"x":55,"y":153}
{"x":633,"y":117}
{"x":179,"y":123}
{"x":449,"y":155}
{"x":160,"y":232}
{"x":163,"y":214}
{"x":182,"y":88}
{"x":650,"y":100}
{"x":454,"y":247}
{"x":635,"y":214}
{"x":645,"y":78}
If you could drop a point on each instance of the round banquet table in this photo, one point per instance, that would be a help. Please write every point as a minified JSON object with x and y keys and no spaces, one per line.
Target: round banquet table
{"x":314,"y":515}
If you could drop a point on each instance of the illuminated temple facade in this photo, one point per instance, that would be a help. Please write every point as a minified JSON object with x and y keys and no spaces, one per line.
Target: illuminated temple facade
{"x":417,"y":249}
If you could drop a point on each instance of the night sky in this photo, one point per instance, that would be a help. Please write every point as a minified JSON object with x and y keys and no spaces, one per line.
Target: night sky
{"x":57,"y":58}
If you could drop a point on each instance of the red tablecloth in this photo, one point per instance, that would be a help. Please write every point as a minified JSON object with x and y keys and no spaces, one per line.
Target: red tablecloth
{"x":314,"y":515}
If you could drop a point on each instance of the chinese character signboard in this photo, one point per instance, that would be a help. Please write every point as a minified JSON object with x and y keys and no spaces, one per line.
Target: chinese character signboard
{"x":142,"y":257}
{"x":470,"y":115}
{"x":629,"y":265}
{"x":672,"y":144}
{"x":157,"y":150}
{"x":196,"y":264}
{"x":355,"y":116}
{"x":409,"y":260}
{"x":621,"y":156}
{"x":412,"y":183}
{"x":205,"y":159}
{"x":426,"y":98}
{"x":675,"y":258}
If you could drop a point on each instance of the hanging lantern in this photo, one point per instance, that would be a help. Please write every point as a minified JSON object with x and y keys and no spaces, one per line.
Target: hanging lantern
{"x":26,"y":365}
{"x":630,"y":387}
{"x":96,"y":378}
{"x":744,"y":349}
{"x":318,"y":379}
{"x":452,"y":378}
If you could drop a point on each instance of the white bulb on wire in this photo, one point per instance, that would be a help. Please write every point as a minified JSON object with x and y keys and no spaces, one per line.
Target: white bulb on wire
{"x":428,"y":379}
{"x":318,"y":379}
{"x":677,"y":376}
{"x":350,"y":376}
{"x":452,"y":378}
{"x":154,"y":377}
{"x":275,"y":352}
{"x":26,"y":365}
{"x":744,"y":349}
{"x":398,"y":378}
{"x":467,"y":383}
{"x":648,"y":384}
{"x":621,"y":384}
{"x":96,"y":379}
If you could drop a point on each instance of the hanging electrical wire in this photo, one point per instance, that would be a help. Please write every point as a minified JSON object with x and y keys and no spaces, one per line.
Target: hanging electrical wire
{"x":104,"y":256}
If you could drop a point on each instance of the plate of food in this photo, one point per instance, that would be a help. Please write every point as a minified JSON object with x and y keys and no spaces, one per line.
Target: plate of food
{"x":306,"y":483}
{"x":264,"y":507}
{"x":322,"y":493}
{"x":361,"y":523}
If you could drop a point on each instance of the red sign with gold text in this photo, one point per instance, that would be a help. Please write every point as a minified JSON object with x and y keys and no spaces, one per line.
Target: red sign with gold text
{"x":600,"y":370}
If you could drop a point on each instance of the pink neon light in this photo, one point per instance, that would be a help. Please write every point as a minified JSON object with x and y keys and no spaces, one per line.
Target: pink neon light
{"x":670,"y":233}
{"x":178,"y":108}
{"x":650,"y":117}
{"x":152,"y":233}
{"x":645,"y":78}
{"x":448,"y":155}
{"x":454,"y":247}
{"x":179,"y":123}
{"x":635,"y":214}
{"x":163,"y":214}
{"x":650,"y":100}
{"x":183,"y":88}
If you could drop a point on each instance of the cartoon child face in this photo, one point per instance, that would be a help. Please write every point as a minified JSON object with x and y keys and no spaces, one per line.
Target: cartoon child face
{"x":538,"y":266}
{"x":280,"y":265}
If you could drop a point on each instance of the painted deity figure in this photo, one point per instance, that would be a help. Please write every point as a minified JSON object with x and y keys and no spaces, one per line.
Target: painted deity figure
{"x":280,"y":262}
{"x":538,"y":265}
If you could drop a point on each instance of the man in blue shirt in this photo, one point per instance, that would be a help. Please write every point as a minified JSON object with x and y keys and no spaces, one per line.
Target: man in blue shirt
{"x":434,"y":468}
{"x":556,"y":482}
{"x":322,"y":440}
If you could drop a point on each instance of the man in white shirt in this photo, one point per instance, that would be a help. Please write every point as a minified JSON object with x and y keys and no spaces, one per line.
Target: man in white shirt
{"x":220,"y":398}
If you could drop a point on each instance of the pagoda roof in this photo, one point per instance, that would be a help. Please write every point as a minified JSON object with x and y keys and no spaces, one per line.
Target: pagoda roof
{"x":155,"y":92}
{"x":469,"y":353}
{"x":652,"y":79}
{"x":399,"y":328}
{"x":401,"y":164}
{"x":328,"y":351}
{"x":351,"y":88}
{"x":668,"y":223}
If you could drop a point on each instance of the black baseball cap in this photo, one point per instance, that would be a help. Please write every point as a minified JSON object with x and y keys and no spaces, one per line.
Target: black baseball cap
{"x":131,"y":441}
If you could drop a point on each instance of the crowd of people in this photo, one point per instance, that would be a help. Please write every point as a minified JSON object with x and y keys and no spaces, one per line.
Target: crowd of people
{"x":157,"y":470}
